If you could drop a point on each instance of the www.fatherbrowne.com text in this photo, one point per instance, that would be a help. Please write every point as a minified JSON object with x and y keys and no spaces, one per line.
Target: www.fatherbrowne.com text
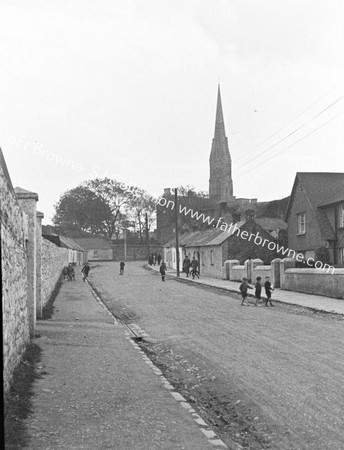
{"x":232,"y":229}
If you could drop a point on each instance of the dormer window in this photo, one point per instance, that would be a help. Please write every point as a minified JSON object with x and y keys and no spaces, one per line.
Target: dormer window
{"x":301,"y":223}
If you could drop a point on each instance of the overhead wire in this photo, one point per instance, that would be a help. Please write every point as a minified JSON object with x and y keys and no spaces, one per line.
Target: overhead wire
{"x":291,"y":145}
{"x":289,"y":122}
{"x":293,"y":132}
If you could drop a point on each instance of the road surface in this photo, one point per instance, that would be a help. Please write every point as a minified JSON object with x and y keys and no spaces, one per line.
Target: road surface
{"x":268,"y":377}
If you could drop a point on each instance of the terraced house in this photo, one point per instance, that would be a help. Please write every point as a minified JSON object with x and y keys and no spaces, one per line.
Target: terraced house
{"x":315,"y":215}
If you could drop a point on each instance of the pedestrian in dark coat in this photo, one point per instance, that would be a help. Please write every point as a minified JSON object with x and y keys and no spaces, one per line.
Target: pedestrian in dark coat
{"x":243,"y":289}
{"x":258,"y":291}
{"x":121,"y":268}
{"x":194,"y":266}
{"x":159,"y":259}
{"x":163,"y":270}
{"x":85,"y":271}
{"x":186,"y":265}
{"x":268,"y":290}
{"x":71,"y":273}
{"x":150,"y":260}
{"x":65,"y":273}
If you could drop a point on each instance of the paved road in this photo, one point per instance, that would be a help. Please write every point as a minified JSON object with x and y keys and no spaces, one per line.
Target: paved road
{"x":287,"y":368}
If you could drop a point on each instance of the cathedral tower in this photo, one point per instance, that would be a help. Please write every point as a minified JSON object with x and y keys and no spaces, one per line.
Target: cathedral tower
{"x":220,"y":182}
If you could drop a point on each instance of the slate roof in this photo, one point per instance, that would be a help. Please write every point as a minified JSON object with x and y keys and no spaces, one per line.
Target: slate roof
{"x":271,"y":223}
{"x":214,"y":236}
{"x":93,"y":243}
{"x":62,"y":241}
{"x":322,"y":189}
{"x":69,"y":243}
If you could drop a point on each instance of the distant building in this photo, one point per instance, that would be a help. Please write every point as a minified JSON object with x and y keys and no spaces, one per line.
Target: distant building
{"x":315,"y":214}
{"x":221,"y":201}
{"x":76,"y":254}
{"x":213,"y":247}
{"x":98,"y":249}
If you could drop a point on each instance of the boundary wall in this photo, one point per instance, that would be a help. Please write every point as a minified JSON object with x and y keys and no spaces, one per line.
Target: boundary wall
{"x":15,"y":313}
{"x":31,"y":266}
{"x":284,"y":275}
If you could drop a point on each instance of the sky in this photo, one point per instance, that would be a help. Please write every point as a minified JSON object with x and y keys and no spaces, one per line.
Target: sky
{"x":127,"y":90}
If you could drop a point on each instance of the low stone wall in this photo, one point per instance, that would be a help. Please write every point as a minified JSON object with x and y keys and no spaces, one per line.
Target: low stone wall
{"x":238,"y":273}
{"x":314,"y":281}
{"x":261,"y":271}
{"x":53,"y":260}
{"x":14,"y":278}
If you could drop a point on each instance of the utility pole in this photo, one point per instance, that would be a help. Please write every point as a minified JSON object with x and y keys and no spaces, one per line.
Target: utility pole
{"x":176,"y":223}
{"x":125,"y":243}
{"x":147,"y":237}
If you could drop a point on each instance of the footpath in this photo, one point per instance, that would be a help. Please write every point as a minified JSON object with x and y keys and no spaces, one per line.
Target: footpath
{"x":98,"y":390}
{"x":314,"y":302}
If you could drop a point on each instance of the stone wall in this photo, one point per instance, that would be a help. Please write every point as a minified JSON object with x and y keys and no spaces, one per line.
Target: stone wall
{"x":312,"y":281}
{"x":53,"y":260}
{"x":14,"y":234}
{"x":284,"y":275}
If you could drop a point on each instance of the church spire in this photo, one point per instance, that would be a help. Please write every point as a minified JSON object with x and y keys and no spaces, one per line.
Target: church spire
{"x":220,"y":182}
{"x":219,"y":122}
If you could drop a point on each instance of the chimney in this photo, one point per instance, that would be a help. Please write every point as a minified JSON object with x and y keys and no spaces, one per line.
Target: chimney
{"x":249,"y":214}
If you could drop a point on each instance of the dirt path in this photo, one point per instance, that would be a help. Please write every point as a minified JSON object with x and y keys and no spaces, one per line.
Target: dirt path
{"x":266,"y":377}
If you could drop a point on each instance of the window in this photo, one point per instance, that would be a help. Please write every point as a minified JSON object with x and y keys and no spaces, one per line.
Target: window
{"x":212,"y":257}
{"x":341,"y":216}
{"x":95,"y":253}
{"x":341,"y":255}
{"x":301,"y":223}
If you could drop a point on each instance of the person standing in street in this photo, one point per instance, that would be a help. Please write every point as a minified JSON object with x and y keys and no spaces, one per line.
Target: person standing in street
{"x":268,"y":291}
{"x":163,"y":270}
{"x":159,"y":259}
{"x":186,"y":265}
{"x":243,"y":288}
{"x":258,"y":291}
{"x":121,"y":268}
{"x":71,"y":273}
{"x":85,"y":271}
{"x":194,"y":266}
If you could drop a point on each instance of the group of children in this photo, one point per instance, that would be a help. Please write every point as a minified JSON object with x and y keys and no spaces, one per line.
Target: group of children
{"x":68,"y":272}
{"x":244,"y":286}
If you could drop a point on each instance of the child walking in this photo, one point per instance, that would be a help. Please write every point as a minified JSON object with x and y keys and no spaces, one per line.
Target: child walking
{"x":258,"y":291}
{"x":268,"y":290}
{"x":163,"y":270}
{"x":121,"y":268}
{"x":243,"y":289}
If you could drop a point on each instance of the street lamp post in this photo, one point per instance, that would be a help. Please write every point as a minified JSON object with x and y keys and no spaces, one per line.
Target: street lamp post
{"x":147,"y":237}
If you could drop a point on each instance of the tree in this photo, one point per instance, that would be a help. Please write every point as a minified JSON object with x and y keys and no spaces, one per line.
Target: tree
{"x":141,"y":203}
{"x":80,"y":210}
{"x":112,"y":193}
{"x":104,"y":206}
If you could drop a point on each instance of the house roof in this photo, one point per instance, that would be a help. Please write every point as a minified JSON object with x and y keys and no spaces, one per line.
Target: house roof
{"x":93,"y":243}
{"x":69,"y":243}
{"x":321,"y":188}
{"x":271,"y":223}
{"x":62,"y":241}
{"x":213,"y":236}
